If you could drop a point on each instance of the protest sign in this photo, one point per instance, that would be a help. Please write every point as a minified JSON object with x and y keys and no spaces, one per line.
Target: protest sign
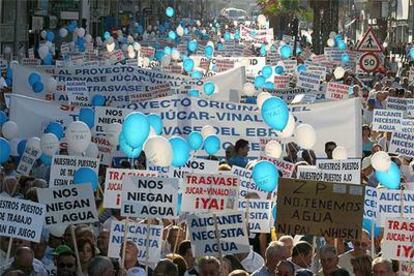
{"x":29,"y":157}
{"x":64,"y":167}
{"x":195,"y":165}
{"x":370,"y":203}
{"x":396,"y":103}
{"x":247,"y":184}
{"x":149,"y":197}
{"x":410,"y":108}
{"x":406,"y":126}
{"x":105,"y":116}
{"x":113,"y":184}
{"x":221,"y":234}
{"x":316,"y":69}
{"x":402,"y":143}
{"x":203,"y":192}
{"x":290,"y":65}
{"x":309,"y":81}
{"x":78,"y":93}
{"x":258,"y":212}
{"x":341,"y":171}
{"x":394,"y":204}
{"x":281,"y":82}
{"x":67,"y":205}
{"x":398,"y":241}
{"x":31,"y":61}
{"x":22,"y":219}
{"x":319,"y":208}
{"x":337,"y":91}
{"x":386,"y":120}
{"x":283,"y":166}
{"x":137,"y":232}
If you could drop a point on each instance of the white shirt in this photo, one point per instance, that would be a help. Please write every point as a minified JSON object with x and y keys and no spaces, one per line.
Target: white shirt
{"x":252,"y":262}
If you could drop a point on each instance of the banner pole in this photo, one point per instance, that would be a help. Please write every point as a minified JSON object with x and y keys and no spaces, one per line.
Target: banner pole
{"x":372,"y":239}
{"x":176,"y":240}
{"x":147,"y":247}
{"x":8,"y":251}
{"x":313,"y":250}
{"x":75,"y":247}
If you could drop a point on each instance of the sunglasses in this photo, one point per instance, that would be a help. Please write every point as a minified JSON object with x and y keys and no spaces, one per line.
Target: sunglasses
{"x":63,"y":265}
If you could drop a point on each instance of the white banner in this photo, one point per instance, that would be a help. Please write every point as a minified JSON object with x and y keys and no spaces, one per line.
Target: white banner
{"x":402,"y":143}
{"x":259,"y":212}
{"x":386,"y":120}
{"x":394,"y":204}
{"x":398,"y":241}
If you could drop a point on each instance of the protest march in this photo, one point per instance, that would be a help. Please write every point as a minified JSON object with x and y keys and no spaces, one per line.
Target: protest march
{"x":208,"y":147}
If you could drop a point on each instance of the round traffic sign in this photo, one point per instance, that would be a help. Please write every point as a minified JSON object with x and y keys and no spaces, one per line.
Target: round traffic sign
{"x":369,"y":62}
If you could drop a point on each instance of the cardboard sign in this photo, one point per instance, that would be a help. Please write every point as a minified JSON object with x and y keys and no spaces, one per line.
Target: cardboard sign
{"x":78,"y":93}
{"x":394,"y":204}
{"x":29,"y":157}
{"x":341,"y":171}
{"x":337,"y":91}
{"x":370,"y":203}
{"x":247,"y":184}
{"x":64,"y":167}
{"x":308,"y":81}
{"x":319,"y":208}
{"x":149,"y":197}
{"x":22,"y":219}
{"x":386,"y":120}
{"x":258,"y":213}
{"x":113,"y":184}
{"x":402,"y":143}
{"x":203,"y":192}
{"x":398,"y":241}
{"x":230,"y":238}
{"x":285,"y":167}
{"x":68,"y":205}
{"x":137,"y":232}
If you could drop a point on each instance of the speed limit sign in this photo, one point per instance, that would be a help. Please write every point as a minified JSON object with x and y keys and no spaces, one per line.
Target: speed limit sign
{"x":369,"y":62}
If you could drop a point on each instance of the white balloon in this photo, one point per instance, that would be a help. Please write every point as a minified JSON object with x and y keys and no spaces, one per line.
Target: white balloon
{"x":381,"y":161}
{"x":13,"y":146}
{"x":137,"y":46}
{"x":261,"y":20}
{"x":110,"y":47}
{"x":273,"y":149}
{"x":289,"y":129}
{"x":261,"y":98}
{"x":340,"y":153}
{"x":78,"y":136}
{"x":165,"y":61}
{"x":10,"y":130}
{"x":305,"y":136}
{"x":63,"y":32}
{"x":43,"y":51}
{"x":175,"y":54}
{"x":207,"y":130}
{"x":92,"y":151}
{"x":131,"y":54}
{"x":49,"y":144}
{"x":81,"y":32}
{"x":180,"y":30}
{"x":332,"y":35}
{"x":249,"y":89}
{"x":331,"y":42}
{"x":51,"y":85}
{"x":34,"y":144}
{"x":130,"y":39}
{"x":158,"y":151}
{"x":43,"y":34}
{"x":198,"y":22}
{"x":88,"y":38}
{"x":339,"y":72}
{"x":49,"y":44}
{"x":112,"y":132}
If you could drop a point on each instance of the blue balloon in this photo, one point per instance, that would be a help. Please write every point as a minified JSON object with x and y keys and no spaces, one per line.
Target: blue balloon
{"x":275,"y":113}
{"x":411,"y":53}
{"x":338,"y":38}
{"x":48,"y":59}
{"x":86,"y":175}
{"x":192,"y":45}
{"x":301,"y":68}
{"x":259,"y":81}
{"x":46,"y":159}
{"x":9,"y":82}
{"x":193,"y":93}
{"x":172,"y":35}
{"x":129,"y":151}
{"x":269,"y":85}
{"x":55,"y":128}
{"x":156,"y":123}
{"x":285,"y":51}
{"x":209,"y":88}
{"x":226,"y":36}
{"x":181,"y":151}
{"x":33,"y":78}
{"x":212,"y":144}
{"x":390,"y":179}
{"x":106,"y":35}
{"x":4,"y":150}
{"x":169,"y":12}
{"x":345,"y":58}
{"x":3,"y":118}
{"x":220,"y":46}
{"x":167,"y":50}
{"x":98,"y":100}
{"x":136,"y":129}
{"x":188,"y":64}
{"x":341,"y":45}
{"x":267,"y":71}
{"x":274,"y":212}
{"x":21,"y":146}
{"x":208,"y":51}
{"x":195,"y":140}
{"x":197,"y":75}
{"x":265,"y":176}
{"x":367,"y":225}
{"x":279,"y":69}
{"x":50,"y":36}
{"x":9,"y":72}
{"x":263,"y":51}
{"x":159,"y":54}
{"x":237,"y":35}
{"x":38,"y":87}
{"x":87,"y":115}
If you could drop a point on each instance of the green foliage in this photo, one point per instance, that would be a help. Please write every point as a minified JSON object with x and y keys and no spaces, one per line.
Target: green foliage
{"x":286,"y":7}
